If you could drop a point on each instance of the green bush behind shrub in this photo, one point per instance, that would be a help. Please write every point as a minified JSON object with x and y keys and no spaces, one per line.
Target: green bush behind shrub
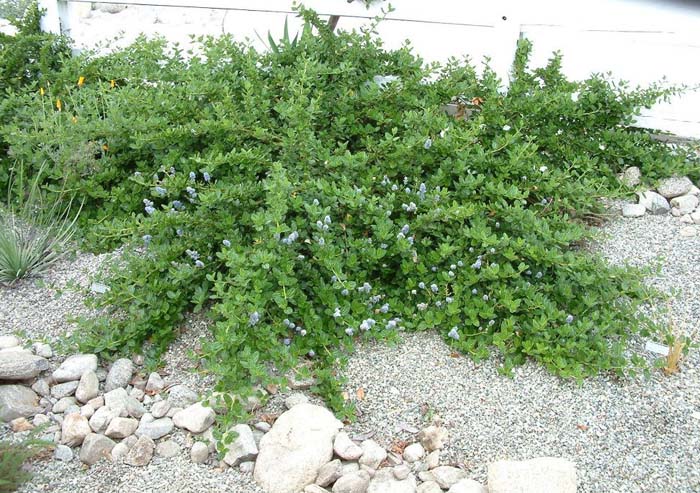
{"x":306,"y":205}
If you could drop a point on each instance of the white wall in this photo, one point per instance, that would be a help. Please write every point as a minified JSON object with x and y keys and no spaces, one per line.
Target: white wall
{"x":638,"y":40}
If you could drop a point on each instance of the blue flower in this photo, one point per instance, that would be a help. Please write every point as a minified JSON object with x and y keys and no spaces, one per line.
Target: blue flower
{"x":149,"y":210}
{"x":146,"y":239}
{"x":394,"y":187}
{"x":449,"y":299}
{"x":477,"y":264}
{"x":569,"y":319}
{"x":422,"y":306}
{"x":337,"y":313}
{"x":147,"y":203}
{"x":433,"y":268}
{"x":438,"y":303}
{"x":254,"y":319}
{"x":422,"y":189}
{"x":321,"y":241}
{"x":485,"y":297}
{"x":300,"y":257}
{"x":207,"y":176}
{"x":302,"y":332}
{"x":427,"y":144}
{"x":315,"y":202}
{"x":311,"y":353}
{"x":453,"y":334}
{"x":345,"y":292}
{"x":491,"y":322}
{"x":199,"y":264}
{"x":434,"y":288}
{"x":287,"y":341}
{"x":474,"y":291}
{"x":193,"y":176}
{"x":319,"y":224}
{"x":421,"y":285}
{"x":286,"y":322}
{"x":191,"y":191}
{"x":365,"y":288}
{"x":451,"y":274}
{"x":177,"y":205}
{"x":179,"y":232}
{"x":349,"y":331}
{"x":327,"y":219}
{"x":538,"y":275}
{"x":161,"y":191}
{"x":384,"y":308}
{"x":460,"y":264}
{"x":193,"y":254}
{"x":226,"y":243}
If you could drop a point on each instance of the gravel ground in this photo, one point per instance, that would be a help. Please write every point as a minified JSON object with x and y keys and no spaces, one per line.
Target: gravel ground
{"x":625,"y":436}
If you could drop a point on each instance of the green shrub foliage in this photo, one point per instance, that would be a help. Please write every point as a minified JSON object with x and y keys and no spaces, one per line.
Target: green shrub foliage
{"x":307,"y":203}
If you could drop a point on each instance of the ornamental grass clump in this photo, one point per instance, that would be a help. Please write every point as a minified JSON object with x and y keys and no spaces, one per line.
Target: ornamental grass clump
{"x":306,"y":206}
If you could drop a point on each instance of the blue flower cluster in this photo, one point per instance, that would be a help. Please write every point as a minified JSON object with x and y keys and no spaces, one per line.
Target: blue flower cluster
{"x":148,"y":207}
{"x":453,"y":334}
{"x":254,"y":319}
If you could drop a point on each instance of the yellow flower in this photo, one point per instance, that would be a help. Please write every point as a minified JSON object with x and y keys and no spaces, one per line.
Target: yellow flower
{"x":74,"y":119}
{"x":59,"y":105}
{"x":112,"y":83}
{"x":41,"y":91}
{"x":105,"y":147}
{"x":81,"y":81}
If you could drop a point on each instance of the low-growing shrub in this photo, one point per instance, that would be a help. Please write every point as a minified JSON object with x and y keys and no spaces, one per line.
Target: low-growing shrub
{"x":318,"y":194}
{"x":13,"y":455}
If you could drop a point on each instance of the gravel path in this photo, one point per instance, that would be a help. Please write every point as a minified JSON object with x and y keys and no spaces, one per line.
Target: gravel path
{"x":631,"y":436}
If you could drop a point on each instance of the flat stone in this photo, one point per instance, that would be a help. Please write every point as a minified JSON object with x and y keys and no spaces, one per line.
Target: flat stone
{"x":293,"y":451}
{"x":199,"y":453}
{"x":243,"y":448}
{"x":373,"y":454}
{"x":74,"y":367}
{"x":21,"y":424}
{"x":345,"y":448}
{"x":413,"y":452}
{"x":119,"y":374}
{"x":121,"y":427}
{"x":329,"y":473}
{"x":63,"y":404}
{"x":155,"y":429}
{"x":88,"y":387}
{"x":9,"y":341}
{"x":433,"y":437}
{"x":468,"y":486}
{"x":63,"y":389}
{"x":42,"y":349}
{"x":355,"y":482}
{"x":446,"y":476}
{"x":160,"y":409}
{"x":685,"y":203}
{"x":654,"y":203}
{"x":674,"y":186}
{"x":95,"y":447}
{"x":97,"y":402}
{"x":17,"y":365}
{"x":74,"y":429}
{"x":550,"y":474}
{"x":384,"y":481}
{"x":294,"y":399}
{"x":63,"y":453}
{"x":181,"y":396}
{"x":17,"y":401}
{"x":141,"y":453}
{"x":100,"y":420}
{"x":167,"y":449}
{"x":155,"y":383}
{"x":41,"y":387}
{"x":195,"y":418}
{"x":633,"y":210}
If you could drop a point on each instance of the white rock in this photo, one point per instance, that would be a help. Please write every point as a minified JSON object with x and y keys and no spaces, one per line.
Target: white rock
{"x":468,"y":486}
{"x":119,"y":374}
{"x":199,"y":453}
{"x":384,"y":481}
{"x":195,"y":418}
{"x":633,"y":210}
{"x":550,"y":474}
{"x":247,"y":467}
{"x":413,"y":452}
{"x":433,"y":437}
{"x":263,"y":426}
{"x":97,"y":402}
{"x":373,"y":454}
{"x":401,"y":471}
{"x":18,"y":401}
{"x":63,"y":404}
{"x":95,"y":447}
{"x":693,"y":191}
{"x":685,"y":203}
{"x":654,"y":203}
{"x":329,"y":473}
{"x":101,"y":419}
{"x":294,"y":399}
{"x":345,"y":448}
{"x":19,"y":365}
{"x":9,"y":341}
{"x":74,"y":429}
{"x":43,"y":350}
{"x":688,"y":231}
{"x":181,"y":396}
{"x":446,"y":476}
{"x":243,"y":448}
{"x":121,"y":427}
{"x":674,"y":186}
{"x":433,"y":459}
{"x":141,"y":453}
{"x":429,"y":487}
{"x":134,"y":408}
{"x":631,"y":176}
{"x":63,"y":453}
{"x":292,"y":452}
{"x":41,"y":419}
{"x":154,"y":428}
{"x":349,"y":467}
{"x":63,"y":389}
{"x":74,"y":367}
{"x":137,"y":394}
{"x":87,"y":410}
{"x":41,"y":387}
{"x":695,"y":217}
{"x":160,"y":409}
{"x":167,"y":449}
{"x":355,"y":482}
{"x":88,"y":387}
{"x":155,"y":383}
{"x":119,"y":451}
{"x":314,"y":488}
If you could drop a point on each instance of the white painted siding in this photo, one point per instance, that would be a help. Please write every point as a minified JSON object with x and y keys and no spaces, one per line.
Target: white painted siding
{"x":638,"y":40}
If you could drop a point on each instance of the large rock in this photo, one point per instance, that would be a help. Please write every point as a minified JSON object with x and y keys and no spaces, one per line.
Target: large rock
{"x":18,"y":401}
{"x":167,"y":449}
{"x":685,"y":203}
{"x":674,"y":186}
{"x":468,"y":486}
{"x":116,"y":399}
{"x":182,"y":396}
{"x":121,"y":427}
{"x":74,"y":429}
{"x":446,"y":476}
{"x":384,"y":481}
{"x":63,"y":389}
{"x":413,"y":452}
{"x":74,"y":367}
{"x":243,"y":448}
{"x":154,"y":428}
{"x":633,"y":210}
{"x":292,"y":452}
{"x":160,"y":409}
{"x":429,"y":487}
{"x":354,"y":482}
{"x":550,"y":474}
{"x":101,"y":418}
{"x":94,"y":448}
{"x":654,"y":203}
{"x":631,"y":176}
{"x":141,"y":453}
{"x":155,"y":383}
{"x":329,"y":473}
{"x":373,"y":454}
{"x":195,"y":418}
{"x":433,"y":437}
{"x":88,"y":387}
{"x":119,"y":375}
{"x":18,"y":365}
{"x":199,"y":453}
{"x":345,"y":448}
{"x":9,"y":341}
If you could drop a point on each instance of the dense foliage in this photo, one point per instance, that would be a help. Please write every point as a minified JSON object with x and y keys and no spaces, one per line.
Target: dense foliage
{"x":318,"y":193}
